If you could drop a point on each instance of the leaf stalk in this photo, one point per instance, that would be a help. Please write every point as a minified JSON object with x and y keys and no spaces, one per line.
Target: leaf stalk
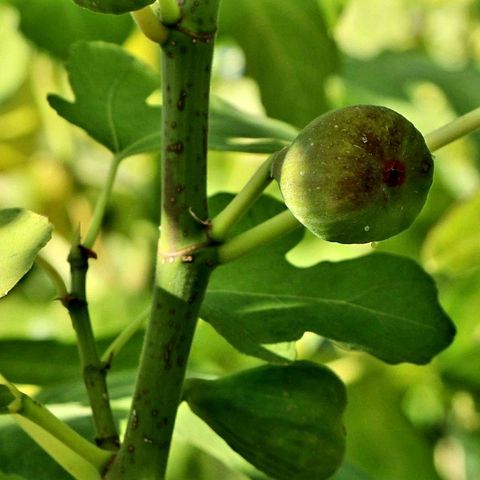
{"x":233,"y":212}
{"x":454,"y":130}
{"x":77,"y":455}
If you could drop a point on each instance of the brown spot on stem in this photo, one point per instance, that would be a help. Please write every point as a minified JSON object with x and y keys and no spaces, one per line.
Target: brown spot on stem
{"x":181,"y":99}
{"x":176,"y":147}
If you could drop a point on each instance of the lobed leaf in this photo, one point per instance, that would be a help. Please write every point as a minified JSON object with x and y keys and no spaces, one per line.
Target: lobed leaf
{"x":383,"y":304}
{"x":54,"y":25}
{"x":111,"y":88}
{"x":22,"y":235}
{"x":228,"y":122}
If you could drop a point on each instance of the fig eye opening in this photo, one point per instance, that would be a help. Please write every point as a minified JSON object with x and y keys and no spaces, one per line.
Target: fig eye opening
{"x":394,"y":173}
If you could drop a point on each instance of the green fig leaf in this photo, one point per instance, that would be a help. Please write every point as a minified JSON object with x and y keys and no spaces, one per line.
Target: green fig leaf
{"x":383,"y":304}
{"x":111,"y":107}
{"x":293,"y":412}
{"x":273,"y":33}
{"x":22,"y":235}
{"x":111,"y":88}
{"x":113,"y":6}
{"x":67,"y":24}
{"x":231,"y":129}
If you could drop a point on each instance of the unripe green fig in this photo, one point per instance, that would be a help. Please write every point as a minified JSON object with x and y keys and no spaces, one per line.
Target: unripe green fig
{"x":355,"y":175}
{"x":285,"y":420}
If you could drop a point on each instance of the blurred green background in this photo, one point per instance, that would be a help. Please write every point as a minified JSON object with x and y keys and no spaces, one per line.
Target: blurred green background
{"x":290,"y":59}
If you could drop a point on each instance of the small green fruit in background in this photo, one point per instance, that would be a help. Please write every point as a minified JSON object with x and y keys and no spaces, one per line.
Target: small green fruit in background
{"x":355,"y":175}
{"x":285,"y":420}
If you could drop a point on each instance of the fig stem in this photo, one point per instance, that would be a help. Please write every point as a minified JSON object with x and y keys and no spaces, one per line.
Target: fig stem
{"x":150,"y":25}
{"x":168,"y":11}
{"x":231,"y":214}
{"x":76,"y":454}
{"x":123,"y":338}
{"x":53,"y":274}
{"x":101,"y":205}
{"x":453,"y":130}
{"x":257,"y":236}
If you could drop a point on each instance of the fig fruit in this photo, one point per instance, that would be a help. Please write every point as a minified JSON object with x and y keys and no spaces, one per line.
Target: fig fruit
{"x":285,"y":420}
{"x":355,"y":175}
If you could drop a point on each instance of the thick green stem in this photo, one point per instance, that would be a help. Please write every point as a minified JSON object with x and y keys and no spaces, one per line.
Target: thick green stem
{"x":184,"y":260}
{"x":226,"y":219}
{"x":94,"y":372}
{"x":454,"y":130}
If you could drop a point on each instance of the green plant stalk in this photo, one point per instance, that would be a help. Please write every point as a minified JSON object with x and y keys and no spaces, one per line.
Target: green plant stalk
{"x":454,"y":130}
{"x":257,"y":236}
{"x":43,"y":418}
{"x":184,"y":259}
{"x":101,"y":204}
{"x":226,"y":219}
{"x":73,"y":452}
{"x":94,"y":372}
{"x":53,"y":274}
{"x":150,"y":25}
{"x":74,"y":464}
{"x":122,"y":339}
{"x":168,"y":11}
